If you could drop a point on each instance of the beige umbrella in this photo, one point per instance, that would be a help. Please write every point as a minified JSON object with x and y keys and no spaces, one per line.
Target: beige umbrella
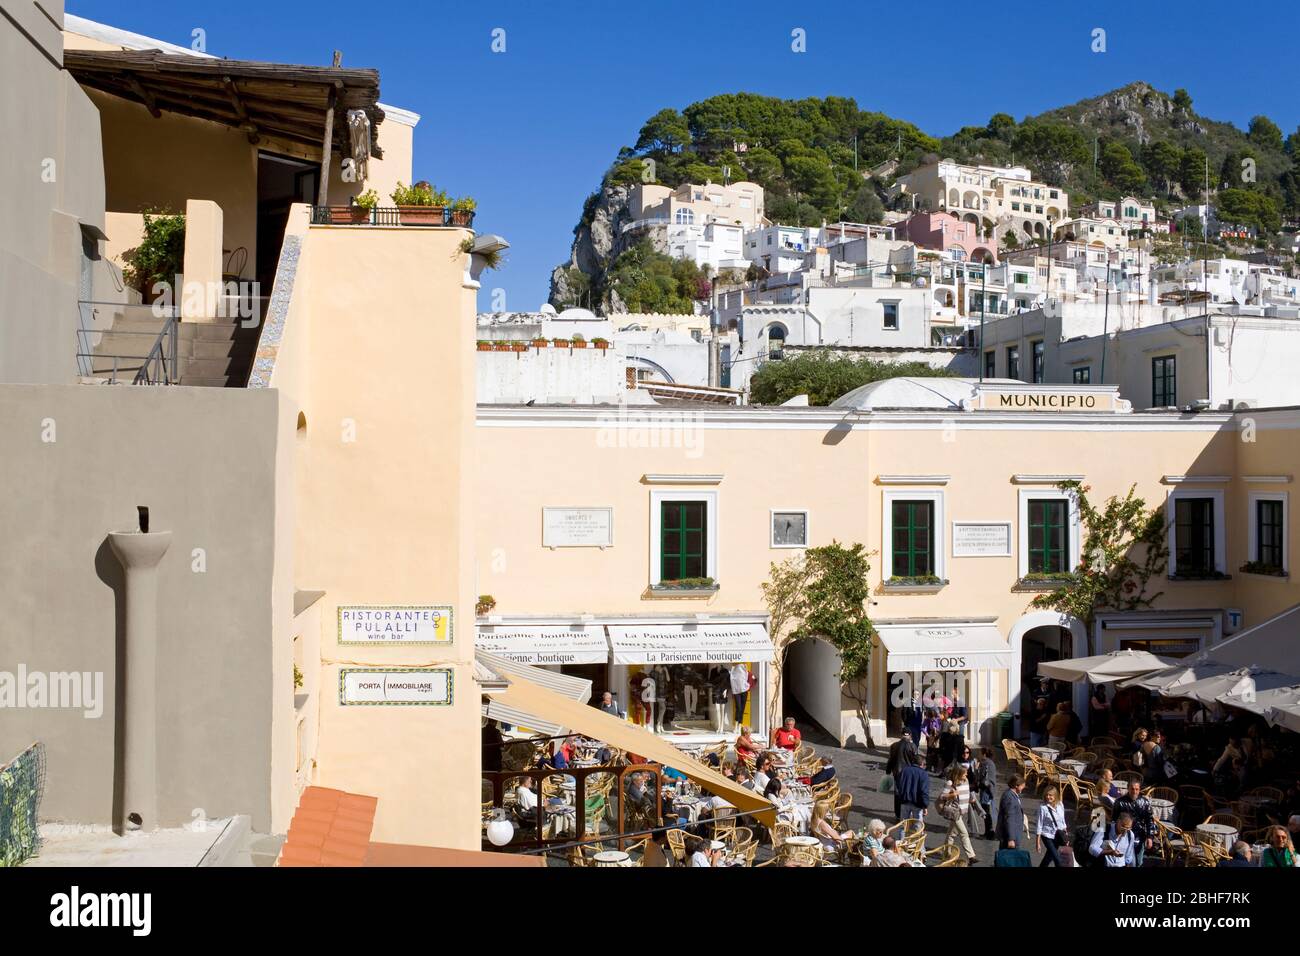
{"x":1242,"y":686}
{"x":1184,"y":672}
{"x":1287,"y":716}
{"x":1262,"y":698}
{"x":1103,"y":668}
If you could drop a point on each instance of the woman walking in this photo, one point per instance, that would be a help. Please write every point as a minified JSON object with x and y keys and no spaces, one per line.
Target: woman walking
{"x":1052,"y":831}
{"x":953,"y":806}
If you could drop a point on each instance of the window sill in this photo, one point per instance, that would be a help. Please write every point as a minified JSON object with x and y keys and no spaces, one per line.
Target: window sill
{"x":1201,"y":578}
{"x":1039,"y":585}
{"x":913,"y":587}
{"x":656,"y":592}
{"x":1279,"y":575}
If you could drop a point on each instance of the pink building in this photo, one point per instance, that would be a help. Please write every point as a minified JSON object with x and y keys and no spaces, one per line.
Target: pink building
{"x":944,"y":231}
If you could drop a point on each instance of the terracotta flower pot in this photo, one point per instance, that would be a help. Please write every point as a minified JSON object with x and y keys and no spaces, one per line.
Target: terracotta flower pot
{"x":462,"y":217}
{"x":421,"y":215}
{"x":485,"y":346}
{"x":519,"y":346}
{"x":540,"y":343}
{"x":502,"y":347}
{"x":360,"y":215}
{"x":578,"y":344}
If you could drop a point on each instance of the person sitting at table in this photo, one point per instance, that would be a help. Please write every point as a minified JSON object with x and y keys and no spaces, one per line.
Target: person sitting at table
{"x":762,"y":772}
{"x":743,"y":778}
{"x":700,"y":851}
{"x":1106,"y":789}
{"x":825,"y":773}
{"x":820,"y":827}
{"x":1240,"y":856}
{"x":1114,"y":845}
{"x":639,"y":798}
{"x":889,"y":855}
{"x":786,"y":737}
{"x":526,"y":796}
{"x":1038,"y":723}
{"x":746,"y":749}
{"x":872,"y":841}
{"x":1280,"y":851}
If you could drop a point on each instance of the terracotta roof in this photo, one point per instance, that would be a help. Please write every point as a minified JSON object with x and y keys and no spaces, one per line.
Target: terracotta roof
{"x":329,"y":828}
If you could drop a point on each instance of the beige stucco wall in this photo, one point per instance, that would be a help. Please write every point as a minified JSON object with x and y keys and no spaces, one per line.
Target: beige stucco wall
{"x":378,"y":355}
{"x":1268,"y":447}
{"x":53,"y":182}
{"x":77,"y":462}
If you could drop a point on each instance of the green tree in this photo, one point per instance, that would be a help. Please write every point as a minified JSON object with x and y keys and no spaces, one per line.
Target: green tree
{"x":1265,"y":133}
{"x":1054,"y":148}
{"x":1011,"y":240}
{"x":1002,"y":126}
{"x":666,"y":131}
{"x":1249,"y":207}
{"x":1120,"y":169}
{"x":823,"y":377}
{"x":1191,"y":171}
{"x":1162,"y":160}
{"x":824,"y":594}
{"x":1123,"y":548}
{"x":1183,"y":100}
{"x":866,"y":206}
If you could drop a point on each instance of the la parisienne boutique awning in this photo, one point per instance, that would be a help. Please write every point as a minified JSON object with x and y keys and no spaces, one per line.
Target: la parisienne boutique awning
{"x":690,"y":643}
{"x":541,"y":644}
{"x":576,"y":689}
{"x":525,"y":696}
{"x":942,"y":646}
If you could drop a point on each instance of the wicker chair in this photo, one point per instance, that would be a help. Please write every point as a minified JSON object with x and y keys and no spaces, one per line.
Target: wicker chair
{"x":1269,"y":793}
{"x":801,"y":855}
{"x":1248,"y":812}
{"x":1163,"y":793}
{"x":677,"y":846}
{"x":741,"y":837}
{"x":724,"y":829}
{"x":1226,"y":819}
{"x":906,"y":829}
{"x":913,"y":846}
{"x":1206,"y":853}
{"x":1194,"y":800}
{"x":1171,"y":843}
{"x":780,"y":832}
{"x":946,"y":854}
{"x":840,"y":811}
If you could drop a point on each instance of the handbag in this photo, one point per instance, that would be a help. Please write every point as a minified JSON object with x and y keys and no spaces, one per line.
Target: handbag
{"x":1012,"y":858}
{"x":949,"y":807}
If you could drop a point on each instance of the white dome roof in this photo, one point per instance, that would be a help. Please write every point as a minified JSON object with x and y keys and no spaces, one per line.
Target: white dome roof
{"x":944,"y":394}
{"x":579,"y":315}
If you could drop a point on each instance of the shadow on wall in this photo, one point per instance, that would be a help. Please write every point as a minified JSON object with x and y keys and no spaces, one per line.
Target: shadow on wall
{"x":109,"y":570}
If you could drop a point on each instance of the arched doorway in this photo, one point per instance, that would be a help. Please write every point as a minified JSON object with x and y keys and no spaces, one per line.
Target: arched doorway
{"x":810,"y":690}
{"x":1042,"y":636}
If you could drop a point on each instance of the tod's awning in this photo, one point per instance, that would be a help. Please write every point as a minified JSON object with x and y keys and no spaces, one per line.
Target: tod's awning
{"x":942,"y":646}
{"x":691,"y":643}
{"x":544,"y":643}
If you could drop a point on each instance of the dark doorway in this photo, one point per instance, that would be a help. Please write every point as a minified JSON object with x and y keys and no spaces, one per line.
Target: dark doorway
{"x":281,"y":182}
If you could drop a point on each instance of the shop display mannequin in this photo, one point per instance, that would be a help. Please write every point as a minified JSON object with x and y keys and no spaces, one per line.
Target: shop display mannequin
{"x":690,"y":692}
{"x":648,"y":700}
{"x":662,"y":684}
{"x":720,"y":684}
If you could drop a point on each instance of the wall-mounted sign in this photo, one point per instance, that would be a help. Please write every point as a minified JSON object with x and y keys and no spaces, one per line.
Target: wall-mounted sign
{"x":1049,"y":398}
{"x":395,"y":687}
{"x":395,"y":624}
{"x":981,"y":539}
{"x":577,"y":527}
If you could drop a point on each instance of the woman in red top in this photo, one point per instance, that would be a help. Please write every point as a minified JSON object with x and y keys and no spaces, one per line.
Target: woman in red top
{"x":787,"y":738}
{"x":746,"y":749}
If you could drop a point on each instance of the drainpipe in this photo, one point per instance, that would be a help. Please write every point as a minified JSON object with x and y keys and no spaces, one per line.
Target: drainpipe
{"x":140,"y":551}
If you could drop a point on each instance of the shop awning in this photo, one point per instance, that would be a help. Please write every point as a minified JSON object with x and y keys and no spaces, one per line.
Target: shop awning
{"x":700,"y":643}
{"x":576,"y":689}
{"x":525,"y":696}
{"x":544,"y":643}
{"x":941,"y":646}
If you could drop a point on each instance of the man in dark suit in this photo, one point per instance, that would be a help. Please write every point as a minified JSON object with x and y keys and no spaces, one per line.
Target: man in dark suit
{"x":1240,"y":855}
{"x":1011,"y":815}
{"x":894,"y":765}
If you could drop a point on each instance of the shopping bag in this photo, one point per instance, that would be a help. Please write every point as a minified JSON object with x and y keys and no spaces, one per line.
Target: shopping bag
{"x":1012,"y":858}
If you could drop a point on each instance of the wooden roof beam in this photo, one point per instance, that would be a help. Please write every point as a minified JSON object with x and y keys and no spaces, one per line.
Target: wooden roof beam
{"x":241,"y":111}
{"x":145,"y":96}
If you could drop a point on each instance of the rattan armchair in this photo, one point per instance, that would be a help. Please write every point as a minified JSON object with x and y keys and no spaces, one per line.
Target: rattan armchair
{"x":1226,"y":818}
{"x":677,"y":846}
{"x":946,"y":854}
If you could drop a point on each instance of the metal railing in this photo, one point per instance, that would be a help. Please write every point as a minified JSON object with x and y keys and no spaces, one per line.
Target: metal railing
{"x":391,"y":216}
{"x":158,"y":365}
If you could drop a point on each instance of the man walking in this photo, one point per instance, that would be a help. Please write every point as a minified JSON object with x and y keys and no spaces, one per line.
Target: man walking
{"x":894,"y":766}
{"x":913,"y":788}
{"x":1011,"y":815}
{"x":1115,"y":844}
{"x":987,"y":782}
{"x":1138,"y":809}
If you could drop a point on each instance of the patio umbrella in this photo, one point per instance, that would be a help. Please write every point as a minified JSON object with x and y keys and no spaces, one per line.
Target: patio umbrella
{"x":1287,"y":716}
{"x":1262,"y":698}
{"x":1241,"y":685}
{"x":1103,"y":668}
{"x":1184,"y":672}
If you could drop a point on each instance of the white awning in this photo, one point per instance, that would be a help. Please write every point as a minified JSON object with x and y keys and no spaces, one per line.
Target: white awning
{"x":574,"y":688}
{"x":702,"y":643}
{"x":544,"y":643}
{"x":944,"y":647}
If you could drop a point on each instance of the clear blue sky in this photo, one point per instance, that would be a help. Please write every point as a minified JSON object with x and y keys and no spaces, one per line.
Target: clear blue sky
{"x":529,"y":132}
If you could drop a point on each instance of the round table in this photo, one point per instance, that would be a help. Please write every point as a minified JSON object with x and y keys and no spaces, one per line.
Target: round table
{"x":612,"y":858}
{"x":1047,"y":753}
{"x":1162,"y":809}
{"x":1220,"y":833}
{"x":1076,"y":767}
{"x":804,"y":841}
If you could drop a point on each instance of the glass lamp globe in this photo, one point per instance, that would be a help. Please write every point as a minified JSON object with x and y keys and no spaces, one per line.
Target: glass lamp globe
{"x":500,"y":831}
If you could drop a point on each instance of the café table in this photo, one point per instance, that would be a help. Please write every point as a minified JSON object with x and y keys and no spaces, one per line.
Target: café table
{"x":805,"y":844}
{"x":1220,"y":833}
{"x":1076,"y":767}
{"x":1162,"y":809}
{"x":1047,"y":753}
{"x":612,"y":858}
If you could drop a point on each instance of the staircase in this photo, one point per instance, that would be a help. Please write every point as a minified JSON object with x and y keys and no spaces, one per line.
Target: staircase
{"x":215,"y":354}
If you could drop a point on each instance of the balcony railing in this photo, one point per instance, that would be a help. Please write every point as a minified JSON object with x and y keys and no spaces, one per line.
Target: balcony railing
{"x":391,"y":216}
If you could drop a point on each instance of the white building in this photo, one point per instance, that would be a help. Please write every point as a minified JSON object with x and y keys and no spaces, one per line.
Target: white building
{"x":997,"y":198}
{"x":1131,"y":212}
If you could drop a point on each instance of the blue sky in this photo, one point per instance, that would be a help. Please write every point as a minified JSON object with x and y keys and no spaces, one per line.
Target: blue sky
{"x":529,"y":132}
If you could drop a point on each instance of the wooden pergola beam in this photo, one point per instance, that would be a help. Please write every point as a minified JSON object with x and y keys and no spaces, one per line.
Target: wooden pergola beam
{"x":249,"y":126}
{"x":145,"y":96}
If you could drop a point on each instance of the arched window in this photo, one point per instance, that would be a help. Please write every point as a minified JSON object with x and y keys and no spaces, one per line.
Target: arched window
{"x":685,"y":217}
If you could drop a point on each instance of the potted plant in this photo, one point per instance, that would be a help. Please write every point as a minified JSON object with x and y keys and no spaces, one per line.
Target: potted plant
{"x":541,"y":342}
{"x":486,"y":603}
{"x":420,"y":204}
{"x":578,"y":342}
{"x":160,"y":257}
{"x":601,"y":344}
{"x":519,"y":346}
{"x":484,"y":345}
{"x":560,"y":343}
{"x":500,"y":345}
{"x":462,"y":211}
{"x":363,"y":206}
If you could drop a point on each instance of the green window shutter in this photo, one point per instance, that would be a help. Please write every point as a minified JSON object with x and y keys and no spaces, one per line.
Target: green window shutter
{"x":1048,"y":536}
{"x":683,"y":544}
{"x":913,"y":538}
{"x":1268,"y":533}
